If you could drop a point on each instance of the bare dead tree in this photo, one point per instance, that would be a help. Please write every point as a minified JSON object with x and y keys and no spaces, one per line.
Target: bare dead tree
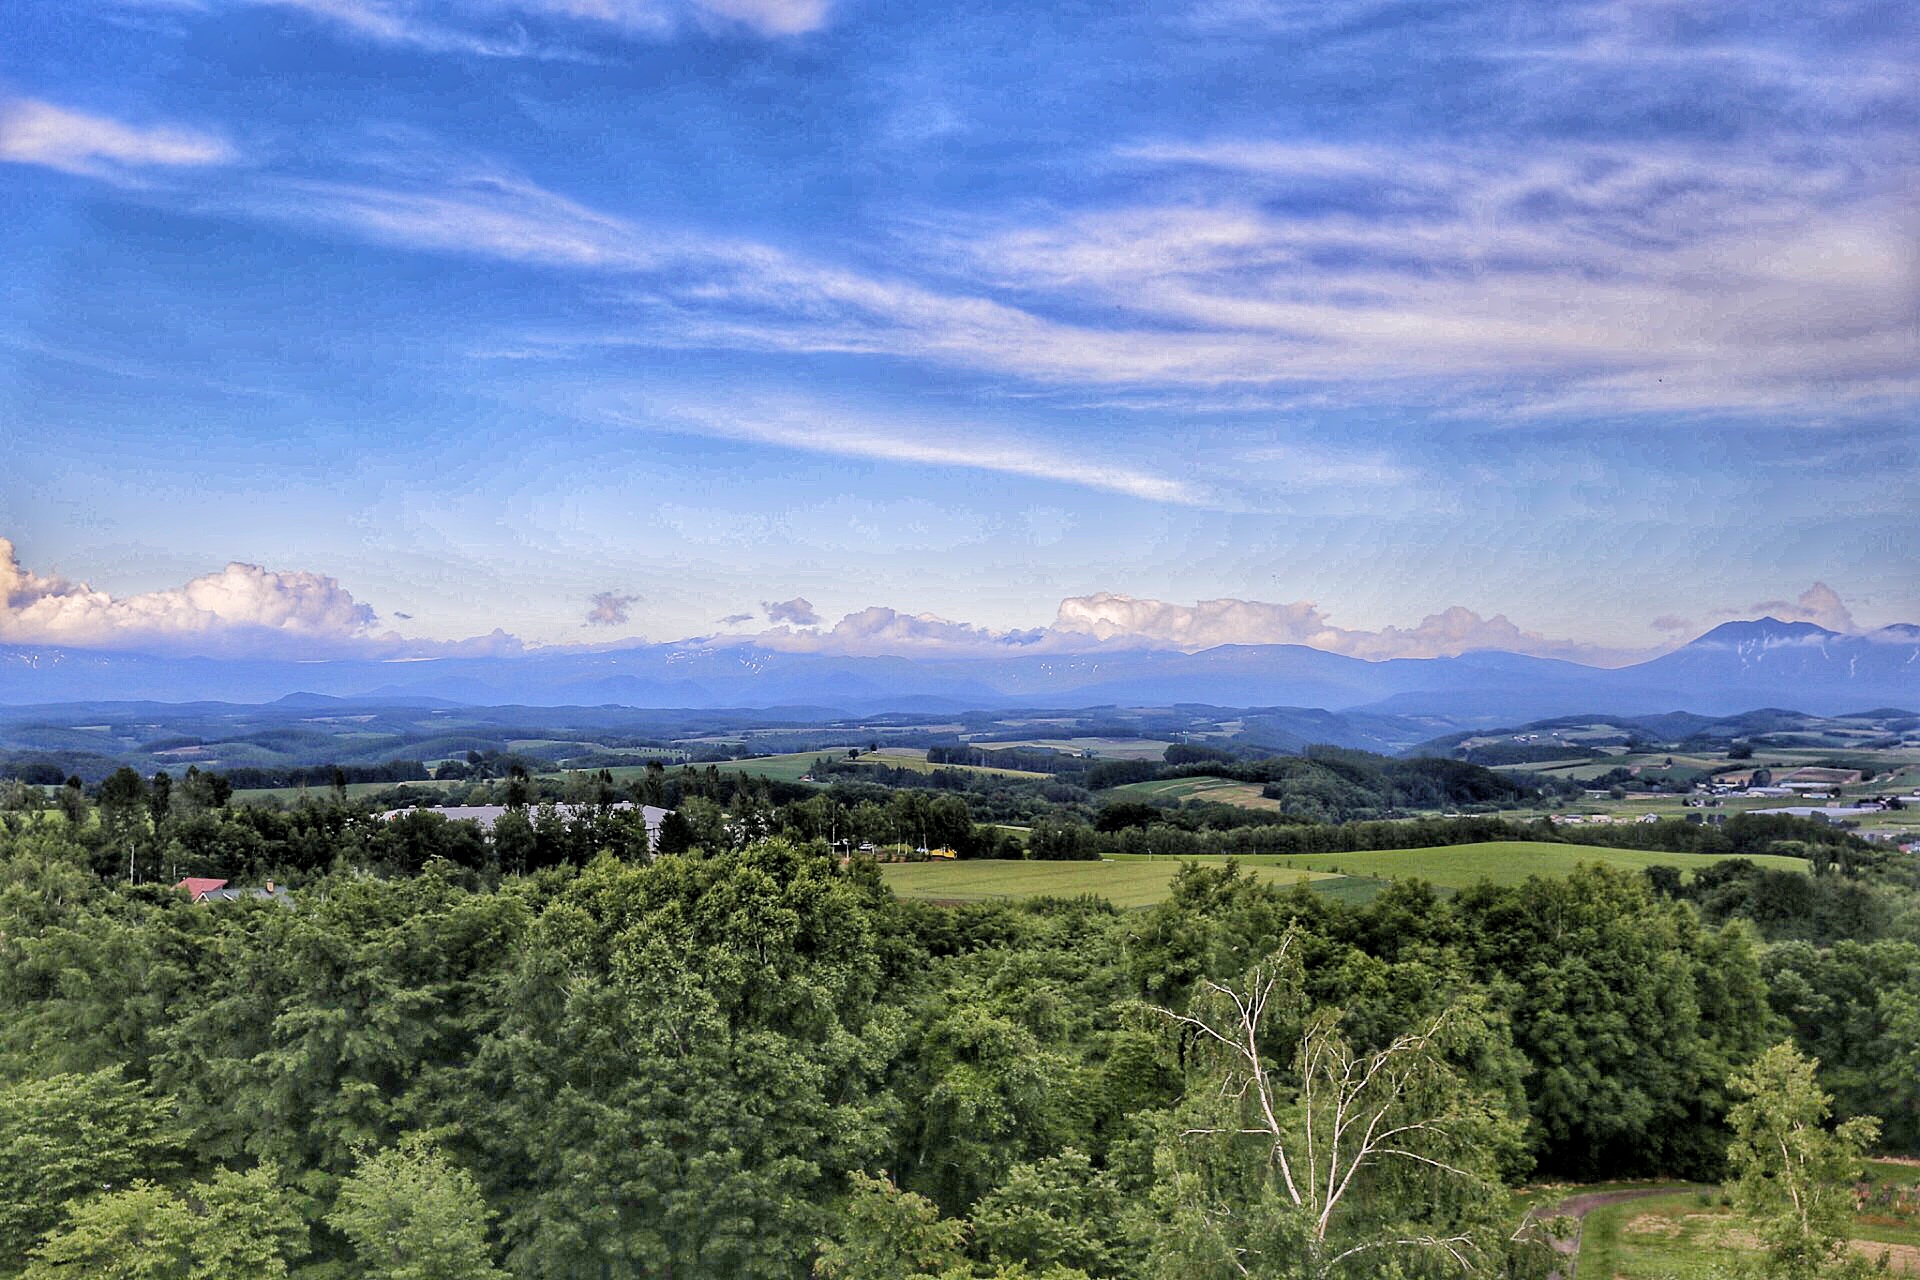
{"x":1331,"y":1116}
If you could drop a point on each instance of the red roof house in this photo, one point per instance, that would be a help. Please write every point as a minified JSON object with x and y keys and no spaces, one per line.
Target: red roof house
{"x":198,"y":887}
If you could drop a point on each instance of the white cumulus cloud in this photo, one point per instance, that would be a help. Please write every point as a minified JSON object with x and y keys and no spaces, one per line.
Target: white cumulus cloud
{"x":1108,"y":616}
{"x":798,"y":611}
{"x":1107,"y":620}
{"x":238,"y":606}
{"x":1819,"y":604}
{"x":880,"y":630}
{"x":610,"y":609}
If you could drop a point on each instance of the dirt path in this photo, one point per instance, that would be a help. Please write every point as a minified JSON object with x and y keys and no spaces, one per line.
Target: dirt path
{"x":1578,"y":1207}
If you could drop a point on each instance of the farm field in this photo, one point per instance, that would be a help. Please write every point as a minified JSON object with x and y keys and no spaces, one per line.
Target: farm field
{"x":915,"y":758}
{"x":1502,"y":862}
{"x":791,"y":767}
{"x":1889,"y":764}
{"x":1125,"y":884}
{"x":1104,"y":748}
{"x":561,"y":750}
{"x":1692,"y":1234}
{"x":1653,"y":768}
{"x":1673,"y":806}
{"x":1215,"y":790}
{"x":1138,"y":880}
{"x":782,"y":768}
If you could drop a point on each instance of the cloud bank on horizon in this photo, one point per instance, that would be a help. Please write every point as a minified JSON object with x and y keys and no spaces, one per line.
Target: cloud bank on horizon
{"x":243,"y":610}
{"x":1579,"y":317}
{"x":247,"y":610}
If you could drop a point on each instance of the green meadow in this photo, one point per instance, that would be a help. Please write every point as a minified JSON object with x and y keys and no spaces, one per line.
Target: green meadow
{"x":1694,"y":1235}
{"x":1178,"y":790}
{"x":1138,"y":880}
{"x":1502,"y":862}
{"x":1125,"y":884}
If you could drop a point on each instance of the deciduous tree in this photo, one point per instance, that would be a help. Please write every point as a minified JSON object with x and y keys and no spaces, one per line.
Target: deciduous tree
{"x":1794,"y":1175}
{"x":239,"y":1226}
{"x":70,"y":1136}
{"x":413,"y":1215}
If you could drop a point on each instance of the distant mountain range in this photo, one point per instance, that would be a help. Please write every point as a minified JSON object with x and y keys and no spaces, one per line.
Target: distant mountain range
{"x":1732,"y":668}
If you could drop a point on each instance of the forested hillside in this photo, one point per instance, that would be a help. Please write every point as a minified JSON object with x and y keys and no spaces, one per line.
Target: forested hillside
{"x":747,"y":1058}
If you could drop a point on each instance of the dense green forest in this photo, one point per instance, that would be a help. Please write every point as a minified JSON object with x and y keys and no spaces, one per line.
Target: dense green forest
{"x":546,"y":1053}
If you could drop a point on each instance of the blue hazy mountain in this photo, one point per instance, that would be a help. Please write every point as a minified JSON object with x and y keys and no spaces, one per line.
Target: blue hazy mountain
{"x":1734,"y":667}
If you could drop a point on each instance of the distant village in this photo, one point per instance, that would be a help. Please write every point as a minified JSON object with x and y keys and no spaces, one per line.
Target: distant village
{"x":1808,"y":783}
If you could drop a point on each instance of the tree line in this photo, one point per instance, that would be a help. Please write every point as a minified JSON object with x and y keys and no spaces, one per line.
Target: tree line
{"x":747,"y":1058}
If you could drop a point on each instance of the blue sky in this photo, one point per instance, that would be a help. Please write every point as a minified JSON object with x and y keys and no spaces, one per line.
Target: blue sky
{"x":596,"y":319}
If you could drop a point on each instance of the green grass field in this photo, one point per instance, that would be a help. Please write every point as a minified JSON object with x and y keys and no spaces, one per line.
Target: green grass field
{"x":1136,"y":880}
{"x":1104,"y":748}
{"x":1125,"y":884}
{"x":1216,"y":790}
{"x":785,"y":768}
{"x":1692,"y":1235}
{"x":1502,"y":862}
{"x":915,"y":758}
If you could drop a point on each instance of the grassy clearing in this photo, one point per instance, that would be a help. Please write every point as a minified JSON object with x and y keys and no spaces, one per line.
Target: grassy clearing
{"x":1693,"y":1235}
{"x":1546,"y":1196}
{"x":1671,"y":1236}
{"x":1502,"y":862}
{"x":1125,"y":884}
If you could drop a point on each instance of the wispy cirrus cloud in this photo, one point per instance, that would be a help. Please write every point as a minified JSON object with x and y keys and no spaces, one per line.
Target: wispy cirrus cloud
{"x":1539,"y":265}
{"x":769,"y":17}
{"x":1602,"y":277}
{"x":814,"y":427}
{"x":1628,"y":277}
{"x":1773,"y":58}
{"x":55,"y":137}
{"x":480,"y":213}
{"x":546,"y":28}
